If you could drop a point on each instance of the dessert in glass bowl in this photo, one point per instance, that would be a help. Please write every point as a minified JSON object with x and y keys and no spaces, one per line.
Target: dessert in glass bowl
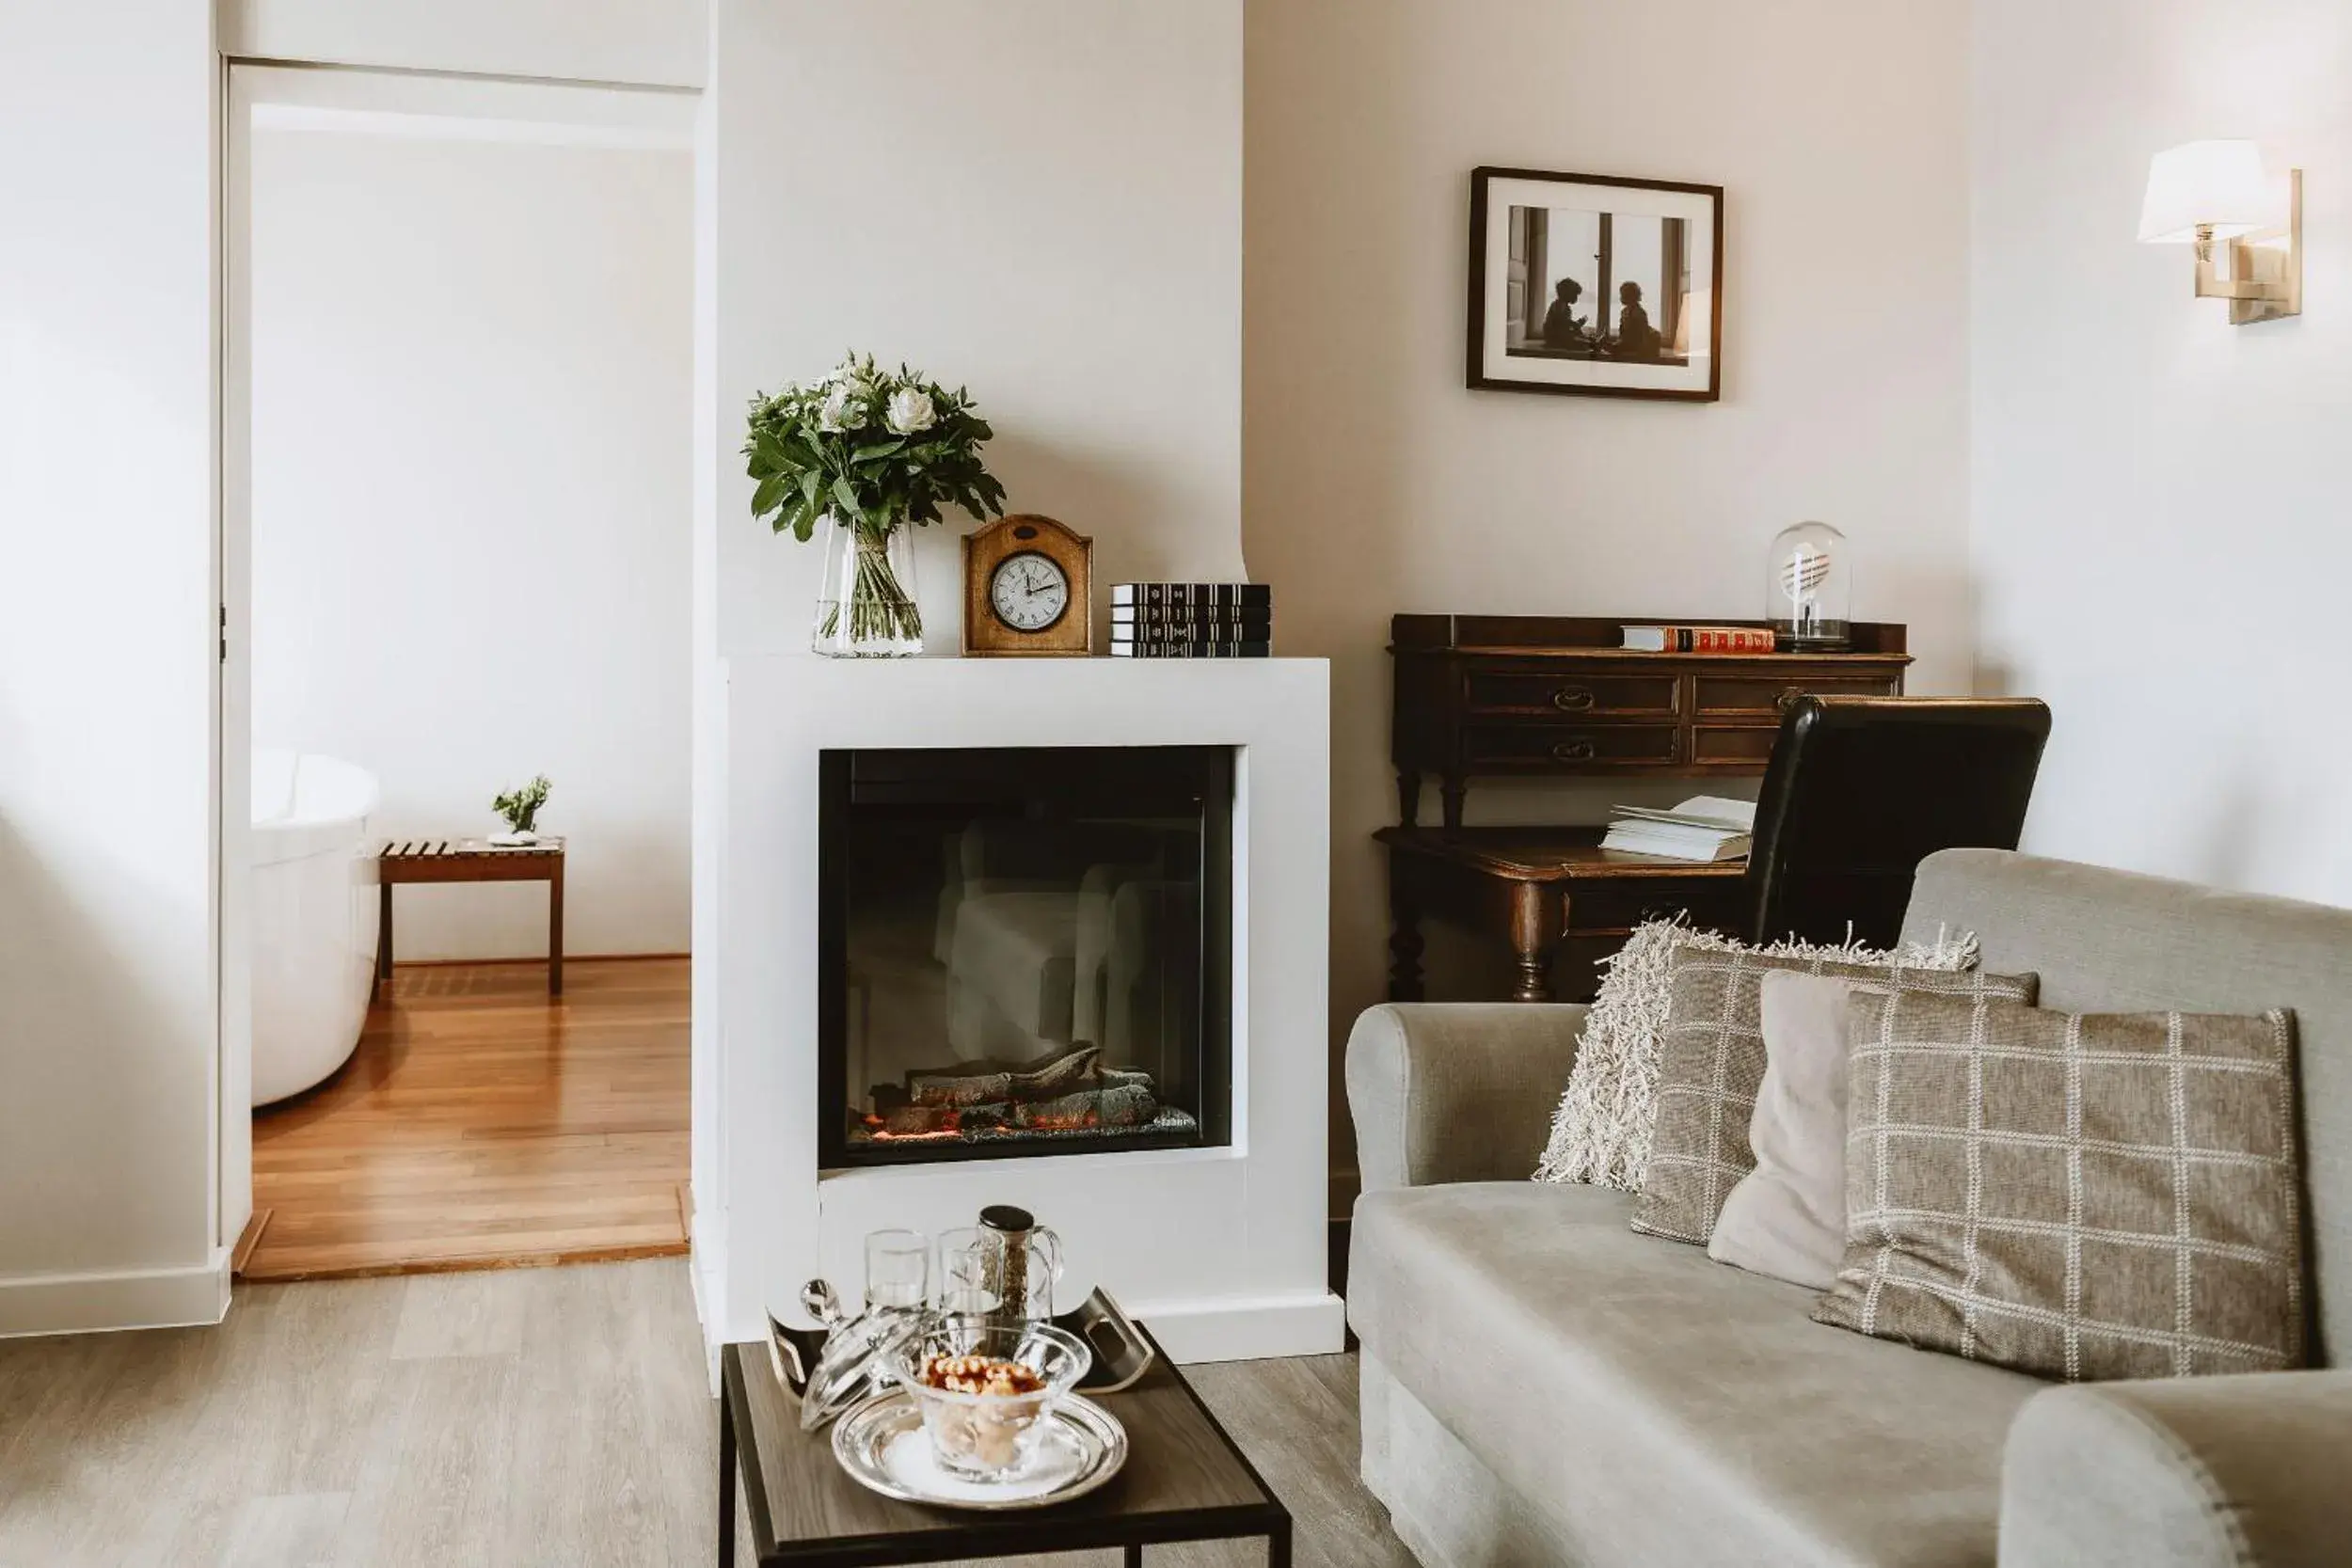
{"x":985,"y":1390}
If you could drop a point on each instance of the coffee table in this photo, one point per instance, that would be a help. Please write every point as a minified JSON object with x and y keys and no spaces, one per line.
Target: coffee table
{"x":1185,"y":1479}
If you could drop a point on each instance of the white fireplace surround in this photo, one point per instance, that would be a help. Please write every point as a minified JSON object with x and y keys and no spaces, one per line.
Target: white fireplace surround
{"x":1222,"y":1250}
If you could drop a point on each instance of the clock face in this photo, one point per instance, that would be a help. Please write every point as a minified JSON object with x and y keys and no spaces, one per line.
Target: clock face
{"x":1028,"y":592}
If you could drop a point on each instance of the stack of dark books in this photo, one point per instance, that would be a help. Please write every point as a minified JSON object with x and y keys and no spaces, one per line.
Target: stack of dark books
{"x":1192,"y":620}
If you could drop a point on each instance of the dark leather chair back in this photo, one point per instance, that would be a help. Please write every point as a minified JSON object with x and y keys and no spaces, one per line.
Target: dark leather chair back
{"x":1861,"y":789}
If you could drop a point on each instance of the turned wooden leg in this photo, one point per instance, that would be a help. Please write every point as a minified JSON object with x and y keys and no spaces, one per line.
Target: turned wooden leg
{"x":1408,"y":798}
{"x":1405,"y":941}
{"x":1534,"y":937}
{"x":1453,"y":790}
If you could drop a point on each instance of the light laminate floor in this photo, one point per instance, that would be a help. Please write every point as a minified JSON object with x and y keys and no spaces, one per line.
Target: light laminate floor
{"x":482,"y":1123}
{"x":545,"y":1417}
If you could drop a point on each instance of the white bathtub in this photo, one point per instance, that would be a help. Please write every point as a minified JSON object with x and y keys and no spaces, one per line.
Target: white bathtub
{"x":314,"y":917}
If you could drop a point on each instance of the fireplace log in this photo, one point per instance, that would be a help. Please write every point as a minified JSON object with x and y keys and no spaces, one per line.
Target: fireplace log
{"x":914,"y":1121}
{"x":1129,"y":1106}
{"x":985,"y":1084}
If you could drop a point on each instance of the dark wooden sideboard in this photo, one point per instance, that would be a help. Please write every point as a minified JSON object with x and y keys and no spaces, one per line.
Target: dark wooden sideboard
{"x":1556,"y":697}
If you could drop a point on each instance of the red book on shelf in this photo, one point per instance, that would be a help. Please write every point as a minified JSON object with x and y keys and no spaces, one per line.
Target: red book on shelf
{"x":1699,"y":639}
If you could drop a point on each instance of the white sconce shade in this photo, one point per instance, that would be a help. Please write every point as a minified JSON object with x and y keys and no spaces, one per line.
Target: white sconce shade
{"x":2219,"y":187}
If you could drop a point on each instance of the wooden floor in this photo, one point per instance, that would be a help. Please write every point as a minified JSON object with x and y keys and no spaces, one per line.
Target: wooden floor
{"x":483,"y":1124}
{"x":556,"y":1417}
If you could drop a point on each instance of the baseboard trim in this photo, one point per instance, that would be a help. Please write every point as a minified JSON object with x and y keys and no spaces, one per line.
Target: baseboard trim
{"x":1251,"y":1328}
{"x":116,"y":1301}
{"x":569,"y":958}
{"x":704,"y":1270}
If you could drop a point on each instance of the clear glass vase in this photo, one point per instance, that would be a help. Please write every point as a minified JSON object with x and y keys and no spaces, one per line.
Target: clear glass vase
{"x":865,"y":608}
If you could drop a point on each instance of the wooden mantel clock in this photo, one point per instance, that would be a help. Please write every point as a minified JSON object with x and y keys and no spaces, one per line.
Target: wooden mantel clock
{"x":1029,"y":588}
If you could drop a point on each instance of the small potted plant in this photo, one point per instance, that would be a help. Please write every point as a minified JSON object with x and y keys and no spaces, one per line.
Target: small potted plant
{"x":870,"y":456}
{"x":520,"y":807}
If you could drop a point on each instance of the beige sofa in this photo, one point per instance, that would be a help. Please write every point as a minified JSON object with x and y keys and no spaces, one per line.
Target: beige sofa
{"x":1543,"y":1386}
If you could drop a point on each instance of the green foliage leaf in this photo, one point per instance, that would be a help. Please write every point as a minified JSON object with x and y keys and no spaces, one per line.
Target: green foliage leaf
{"x":872,"y":479}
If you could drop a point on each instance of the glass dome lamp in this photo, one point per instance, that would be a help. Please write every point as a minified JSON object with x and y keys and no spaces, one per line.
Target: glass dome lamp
{"x":1808,"y":590}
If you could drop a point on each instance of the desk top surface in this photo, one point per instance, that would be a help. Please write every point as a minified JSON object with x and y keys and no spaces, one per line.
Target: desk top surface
{"x":1546,"y":854}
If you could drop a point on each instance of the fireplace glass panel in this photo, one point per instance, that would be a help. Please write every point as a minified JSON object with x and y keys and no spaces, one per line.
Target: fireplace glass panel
{"x":1026,"y":951}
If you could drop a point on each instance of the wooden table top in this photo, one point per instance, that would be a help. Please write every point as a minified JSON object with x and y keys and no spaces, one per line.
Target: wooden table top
{"x":1546,"y":854}
{"x":1183,"y":1474}
{"x":466,"y":849}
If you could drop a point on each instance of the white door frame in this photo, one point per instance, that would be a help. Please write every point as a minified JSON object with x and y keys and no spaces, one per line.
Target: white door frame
{"x":360,"y":101}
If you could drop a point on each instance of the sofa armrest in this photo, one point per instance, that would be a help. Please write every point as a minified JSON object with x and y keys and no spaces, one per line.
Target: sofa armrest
{"x":2194,"y":1472}
{"x":1456,"y":1091}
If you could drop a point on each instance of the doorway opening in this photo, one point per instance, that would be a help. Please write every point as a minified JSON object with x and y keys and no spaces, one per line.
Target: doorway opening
{"x":458,"y":511}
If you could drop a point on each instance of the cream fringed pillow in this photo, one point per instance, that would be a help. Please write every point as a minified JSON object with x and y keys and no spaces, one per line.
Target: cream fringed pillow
{"x":1600,"y":1135}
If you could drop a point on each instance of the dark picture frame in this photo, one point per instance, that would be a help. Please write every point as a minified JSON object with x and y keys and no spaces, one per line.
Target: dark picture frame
{"x":1661,"y":339}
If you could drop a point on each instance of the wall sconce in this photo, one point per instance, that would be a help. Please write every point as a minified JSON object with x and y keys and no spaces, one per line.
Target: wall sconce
{"x":2206,"y":192}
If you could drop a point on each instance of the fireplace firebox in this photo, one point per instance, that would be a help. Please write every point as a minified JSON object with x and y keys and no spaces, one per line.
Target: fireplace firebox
{"x":1024,"y":951}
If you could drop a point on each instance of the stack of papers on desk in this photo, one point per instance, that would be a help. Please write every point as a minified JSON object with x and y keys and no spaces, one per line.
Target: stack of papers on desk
{"x":1704,"y":828}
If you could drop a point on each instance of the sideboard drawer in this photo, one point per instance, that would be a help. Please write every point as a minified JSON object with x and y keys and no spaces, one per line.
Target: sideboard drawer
{"x":1750,"y":694}
{"x":1513,"y":746}
{"x":1733,"y":743}
{"x":1554,"y":693}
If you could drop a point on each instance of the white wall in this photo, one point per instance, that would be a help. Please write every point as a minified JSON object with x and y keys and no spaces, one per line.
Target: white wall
{"x":1375,"y":483}
{"x":472,"y":384}
{"x":107,"y":154}
{"x":1038,"y":198}
{"x":659,"y":42}
{"x":2159,"y":534}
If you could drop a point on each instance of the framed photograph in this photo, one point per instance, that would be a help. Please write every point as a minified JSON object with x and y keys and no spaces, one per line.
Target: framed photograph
{"x":1595,"y":286}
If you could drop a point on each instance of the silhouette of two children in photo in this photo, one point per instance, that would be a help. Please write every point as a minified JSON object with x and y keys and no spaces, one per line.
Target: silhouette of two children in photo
{"x":1636,"y":339}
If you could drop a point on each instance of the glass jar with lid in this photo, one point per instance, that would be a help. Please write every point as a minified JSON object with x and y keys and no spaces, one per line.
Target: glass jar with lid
{"x":1808,"y":589}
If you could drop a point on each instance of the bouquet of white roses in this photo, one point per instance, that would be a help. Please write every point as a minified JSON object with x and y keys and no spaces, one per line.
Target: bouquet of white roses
{"x":877,"y":452}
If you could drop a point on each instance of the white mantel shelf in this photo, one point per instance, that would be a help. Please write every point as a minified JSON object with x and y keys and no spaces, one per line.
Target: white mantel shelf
{"x":1223,"y":1250}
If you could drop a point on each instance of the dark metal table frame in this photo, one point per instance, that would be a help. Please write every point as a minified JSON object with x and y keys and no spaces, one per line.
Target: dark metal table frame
{"x":986,"y":1535}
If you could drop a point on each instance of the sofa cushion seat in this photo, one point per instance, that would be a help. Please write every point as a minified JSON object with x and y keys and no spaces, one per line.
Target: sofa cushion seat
{"x":1660,"y":1407}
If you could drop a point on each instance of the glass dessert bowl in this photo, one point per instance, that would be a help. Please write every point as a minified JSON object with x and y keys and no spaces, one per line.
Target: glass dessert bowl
{"x":985,"y":1390}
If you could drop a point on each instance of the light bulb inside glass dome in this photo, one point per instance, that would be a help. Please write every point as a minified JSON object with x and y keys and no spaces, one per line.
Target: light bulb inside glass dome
{"x":1808,"y":589}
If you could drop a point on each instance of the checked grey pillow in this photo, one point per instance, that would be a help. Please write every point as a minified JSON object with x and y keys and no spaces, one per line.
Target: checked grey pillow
{"x":2077,"y":1195}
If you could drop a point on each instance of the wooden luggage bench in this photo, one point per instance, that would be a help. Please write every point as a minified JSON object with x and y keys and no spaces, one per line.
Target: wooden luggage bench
{"x":470,"y":860}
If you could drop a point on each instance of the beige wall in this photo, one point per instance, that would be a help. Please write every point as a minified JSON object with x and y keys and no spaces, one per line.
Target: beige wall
{"x":1373,"y":482}
{"x":2159,"y":496}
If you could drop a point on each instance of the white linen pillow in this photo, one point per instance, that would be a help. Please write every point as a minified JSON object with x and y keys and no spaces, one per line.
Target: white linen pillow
{"x":1786,"y":1218}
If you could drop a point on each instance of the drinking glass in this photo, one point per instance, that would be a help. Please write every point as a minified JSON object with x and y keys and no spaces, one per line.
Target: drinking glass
{"x":968,"y":1268}
{"x":898,"y":1268}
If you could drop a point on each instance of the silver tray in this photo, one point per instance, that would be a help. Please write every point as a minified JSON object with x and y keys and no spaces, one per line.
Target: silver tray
{"x":1087,"y":1440}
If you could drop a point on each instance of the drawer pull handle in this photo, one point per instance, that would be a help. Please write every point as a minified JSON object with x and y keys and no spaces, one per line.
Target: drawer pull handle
{"x":1573,"y":751}
{"x":1572,"y":699}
